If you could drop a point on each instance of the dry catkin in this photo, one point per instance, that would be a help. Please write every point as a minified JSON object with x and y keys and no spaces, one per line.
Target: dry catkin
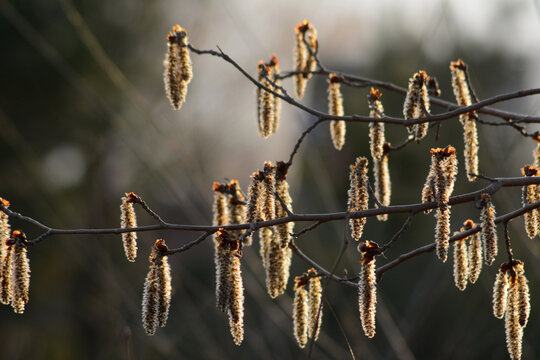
{"x":376,"y":130}
{"x":367,"y":292}
{"x":445,"y":173}
{"x":382,"y":183}
{"x":530,"y":195}
{"x":223,"y":264}
{"x":335,"y":107}
{"x":489,"y":229}
{"x":265,"y":102}
{"x":500,"y":293}
{"x":129,"y":220}
{"x":358,"y":195}
{"x":514,"y":331}
{"x":474,"y":252}
{"x":315,"y":302}
{"x":300,"y":313}
{"x":442,"y":232}
{"x":461,"y":264}
{"x":303,"y":60}
{"x":177,"y":67}
{"x":20,"y":282}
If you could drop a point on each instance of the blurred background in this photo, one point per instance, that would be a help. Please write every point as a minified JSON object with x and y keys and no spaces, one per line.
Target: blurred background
{"x":84,"y":119}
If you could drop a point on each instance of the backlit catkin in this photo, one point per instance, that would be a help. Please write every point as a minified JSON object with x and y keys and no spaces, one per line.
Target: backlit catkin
{"x":382,"y":183}
{"x":367,"y":291}
{"x":474,"y":252}
{"x":6,"y":254}
{"x":500,"y":293}
{"x":20,"y":282}
{"x":177,"y":67}
{"x":489,"y":229}
{"x":514,"y":331}
{"x":441,"y":177}
{"x":376,"y":130}
{"x":417,"y":104}
{"x":315,"y":302}
{"x":524,"y":305}
{"x":442,"y":232}
{"x":358,"y":195}
{"x":274,"y":68}
{"x":530,"y":195}
{"x":300,"y":313}
{"x":303,"y":60}
{"x":282,"y":189}
{"x":237,"y":207}
{"x":461,"y":264}
{"x":335,"y":107}
{"x":129,"y":220}
{"x":268,"y":209}
{"x":265,"y":102}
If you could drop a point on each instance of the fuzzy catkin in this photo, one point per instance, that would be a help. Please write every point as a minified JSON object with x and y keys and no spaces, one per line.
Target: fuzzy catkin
{"x":530,"y":195}
{"x":382,"y":183}
{"x":236,"y":302}
{"x":368,"y":296}
{"x":428,"y":191}
{"x":255,"y":192}
{"x":20,"y":283}
{"x":514,"y":331}
{"x":282,"y":189}
{"x":6,"y":274}
{"x":442,"y":233}
{"x":129,"y":220}
{"x":303,"y":60}
{"x":265,"y":236}
{"x":178,"y":71}
{"x":500,"y":294}
{"x":150,"y":302}
{"x":475,"y":257}
{"x":461,"y":264}
{"x":278,"y":261}
{"x":300,"y":316}
{"x":237,"y":207}
{"x":268,"y":211}
{"x":523,"y":297}
{"x":358,"y":195}
{"x":417,"y":104}
{"x":265,"y":102}
{"x":163,"y":278}
{"x":274,"y":68}
{"x":470,"y":152}
{"x":315,"y":302}
{"x":335,"y":107}
{"x":376,"y":130}
{"x":489,"y":230}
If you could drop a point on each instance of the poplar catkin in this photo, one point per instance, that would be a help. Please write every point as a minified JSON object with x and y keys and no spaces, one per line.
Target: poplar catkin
{"x":254,"y":203}
{"x":523,"y":297}
{"x":514,"y":331}
{"x":6,"y":255}
{"x":417,"y":104}
{"x":500,"y":293}
{"x":315,"y":302}
{"x":237,"y":207}
{"x":489,"y":230}
{"x":382,"y":183}
{"x":129,"y":220}
{"x":358,"y":195}
{"x":303,"y":60}
{"x":274,"y":68}
{"x":335,"y":107}
{"x":21,"y":273}
{"x":428,"y":191}
{"x":367,"y":292}
{"x":265,"y":102}
{"x":442,"y":232}
{"x":300,"y":313}
{"x":376,"y":130}
{"x":461,"y":264}
{"x":268,"y":210}
{"x":474,"y":252}
{"x":530,"y":195}
{"x":178,"y":72}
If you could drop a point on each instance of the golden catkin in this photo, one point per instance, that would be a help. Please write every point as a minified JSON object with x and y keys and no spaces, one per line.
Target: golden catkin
{"x":489,"y":229}
{"x":4,"y":226}
{"x":367,"y":294}
{"x":303,"y":60}
{"x":274,"y":68}
{"x":500,"y":293}
{"x":6,"y":274}
{"x":254,"y":203}
{"x":474,"y":252}
{"x":335,"y":107}
{"x":530,"y":195}
{"x":300,"y":315}
{"x":417,"y":104}
{"x":376,"y":130}
{"x":315,"y":302}
{"x":382,"y":183}
{"x":428,"y":191}
{"x":129,"y":220}
{"x":523,"y":296}
{"x":150,"y":302}
{"x":265,"y":102}
{"x":265,"y":236}
{"x":358,"y":195}
{"x":461,"y":264}
{"x":237,"y":207}
{"x":236,"y":302}
{"x":536,"y":153}
{"x":282,"y":189}
{"x":20,"y":283}
{"x":442,"y":232}
{"x":278,"y":261}
{"x":223,"y":263}
{"x":177,"y":67}
{"x":268,"y":210}
{"x":514,"y":331}
{"x":445,"y":173}
{"x":163,"y":278}
{"x":459,"y":83}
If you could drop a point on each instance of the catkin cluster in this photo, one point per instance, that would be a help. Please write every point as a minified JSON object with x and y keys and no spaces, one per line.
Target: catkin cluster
{"x":464,"y":96}
{"x":307,"y":307}
{"x":128,"y":219}
{"x":274,"y":241}
{"x":377,"y":143}
{"x":14,"y":271}
{"x":489,"y":229}
{"x":417,"y":104}
{"x":268,"y":105}
{"x":438,"y":187}
{"x":229,"y":283}
{"x":511,"y":300}
{"x":177,"y":67}
{"x":531,"y":194}
{"x":358,"y":195}
{"x":335,"y":107}
{"x":157,"y":289}
{"x":304,"y":60}
{"x":467,"y":257}
{"x":367,"y":286}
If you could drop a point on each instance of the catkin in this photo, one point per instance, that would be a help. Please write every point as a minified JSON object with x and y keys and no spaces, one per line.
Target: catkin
{"x":303,"y":60}
{"x":536,"y":152}
{"x":300,"y":313}
{"x":129,"y":220}
{"x":376,"y":130}
{"x":489,"y":230}
{"x":178,"y":72}
{"x":274,"y":68}
{"x":282,"y":189}
{"x":461,"y":264}
{"x":417,"y":104}
{"x":524,"y":305}
{"x":265,"y":102}
{"x":150,"y":302}
{"x":382,"y":183}
{"x":6,"y":255}
{"x":223,"y":263}
{"x":255,"y":192}
{"x":530,"y":195}
{"x":237,"y":207}
{"x":268,"y":211}
{"x":265,"y":236}
{"x":367,"y":293}
{"x":442,"y":232}
{"x":358,"y":195}
{"x":428,"y":191}
{"x":20,"y":282}
{"x":474,"y":253}
{"x":514,"y":331}
{"x":315,"y":302}
{"x":335,"y":107}
{"x":500,"y":293}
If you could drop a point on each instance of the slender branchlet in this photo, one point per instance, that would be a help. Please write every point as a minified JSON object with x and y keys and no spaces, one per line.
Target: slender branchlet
{"x":335,"y":107}
{"x":383,"y":189}
{"x":129,"y":220}
{"x":358,"y":195}
{"x":265,"y":102}
{"x":274,"y":71}
{"x":315,"y":302}
{"x":461,"y":264}
{"x":500,"y":293}
{"x":177,"y":67}
{"x":530,"y":195}
{"x":300,"y":312}
{"x":303,"y":59}
{"x":376,"y":130}
{"x":474,"y":253}
{"x":489,"y":229}
{"x":368,"y":288}
{"x":442,"y":232}
{"x":514,"y":331}
{"x":20,"y":283}
{"x":417,"y":103}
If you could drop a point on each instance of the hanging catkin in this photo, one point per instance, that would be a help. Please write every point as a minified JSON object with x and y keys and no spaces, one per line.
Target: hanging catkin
{"x":335,"y":107}
{"x":367,"y":289}
{"x":6,"y":255}
{"x":530,"y":195}
{"x":358,"y":195}
{"x":417,"y":104}
{"x":315,"y":302}
{"x":129,"y":220}
{"x":20,"y":283}
{"x":382,"y":183}
{"x":303,"y":59}
{"x":500,"y":293}
{"x":461,"y":264}
{"x":300,"y":312}
{"x":514,"y":331}
{"x":474,"y":252}
{"x":489,"y":230}
{"x":265,"y":102}
{"x":178,"y":72}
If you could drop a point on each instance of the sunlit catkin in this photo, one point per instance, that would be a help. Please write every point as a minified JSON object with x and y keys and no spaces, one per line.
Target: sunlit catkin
{"x":236,"y":302}
{"x":150,"y":301}
{"x":474,"y":252}
{"x":417,"y":104}
{"x":335,"y":107}
{"x":358,"y":195}
{"x":255,"y":192}
{"x":530,"y":195}
{"x":445,"y":173}
{"x":268,"y":210}
{"x":265,"y":102}
{"x":383,"y":189}
{"x":300,"y":313}
{"x":514,"y":331}
{"x":303,"y":60}
{"x":367,"y":292}
{"x":274,"y":68}
{"x":4,"y":226}
{"x":428,"y":191}
{"x":500,"y":293}
{"x":6,"y":273}
{"x":376,"y":130}
{"x":315,"y":302}
{"x":461,"y":264}
{"x":442,"y":232}
{"x":177,"y":67}
{"x":489,"y":229}
{"x":129,"y":220}
{"x":237,"y":207}
{"x":282,"y":189}
{"x":524,"y":305}
{"x":21,"y":273}
{"x":163,"y":278}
